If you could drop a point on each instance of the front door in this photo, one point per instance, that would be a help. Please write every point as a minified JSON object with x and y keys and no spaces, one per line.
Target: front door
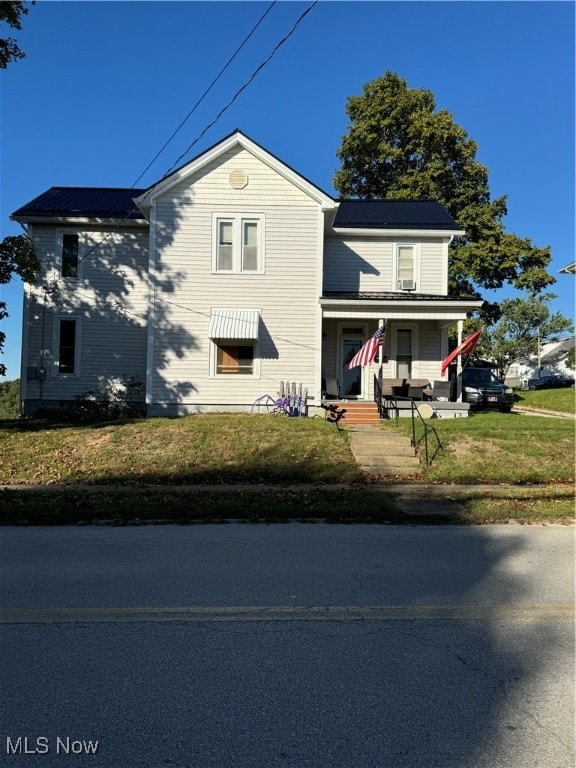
{"x":350,"y":380}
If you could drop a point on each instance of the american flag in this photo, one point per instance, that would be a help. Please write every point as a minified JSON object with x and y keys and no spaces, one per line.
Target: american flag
{"x":367,"y":352}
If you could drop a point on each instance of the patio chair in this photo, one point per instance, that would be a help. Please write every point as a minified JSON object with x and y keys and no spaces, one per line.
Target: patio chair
{"x":330,"y":389}
{"x":441,"y":390}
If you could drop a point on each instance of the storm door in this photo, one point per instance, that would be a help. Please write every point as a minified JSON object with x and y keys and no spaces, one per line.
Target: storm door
{"x":351,"y":381}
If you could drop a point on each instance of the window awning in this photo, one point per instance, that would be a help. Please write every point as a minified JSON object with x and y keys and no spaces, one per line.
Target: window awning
{"x":234,"y":324}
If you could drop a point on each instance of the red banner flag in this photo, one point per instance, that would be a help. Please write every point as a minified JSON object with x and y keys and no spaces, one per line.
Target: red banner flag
{"x":465,"y":348}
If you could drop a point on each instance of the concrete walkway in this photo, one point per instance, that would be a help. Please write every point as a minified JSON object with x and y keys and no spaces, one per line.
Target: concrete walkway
{"x":380,"y":453}
{"x":522,"y":409}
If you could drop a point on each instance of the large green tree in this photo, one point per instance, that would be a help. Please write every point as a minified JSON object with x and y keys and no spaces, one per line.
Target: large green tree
{"x":17,"y":257}
{"x":400,"y":146}
{"x":11,"y":13}
{"x":525,"y":323}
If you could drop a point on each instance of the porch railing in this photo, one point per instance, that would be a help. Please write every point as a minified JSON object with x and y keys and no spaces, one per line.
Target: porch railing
{"x":390,"y":402}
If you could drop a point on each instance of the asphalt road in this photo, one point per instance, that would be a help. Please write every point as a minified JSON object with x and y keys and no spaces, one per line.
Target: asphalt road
{"x":287,"y":645}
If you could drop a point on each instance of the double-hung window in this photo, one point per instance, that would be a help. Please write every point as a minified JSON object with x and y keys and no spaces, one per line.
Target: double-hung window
{"x":407,"y":267}
{"x":66,"y":346}
{"x":70,"y":248}
{"x":239,"y":244}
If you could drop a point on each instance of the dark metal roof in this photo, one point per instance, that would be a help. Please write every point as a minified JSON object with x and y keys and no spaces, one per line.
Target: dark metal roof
{"x":385,"y":296}
{"x":393,"y":214}
{"x":85,"y":202}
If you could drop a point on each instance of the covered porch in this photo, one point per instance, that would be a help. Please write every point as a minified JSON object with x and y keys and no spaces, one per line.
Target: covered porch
{"x":408,"y":362}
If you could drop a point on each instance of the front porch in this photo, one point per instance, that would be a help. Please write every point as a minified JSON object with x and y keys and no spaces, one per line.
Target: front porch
{"x":409,"y":359}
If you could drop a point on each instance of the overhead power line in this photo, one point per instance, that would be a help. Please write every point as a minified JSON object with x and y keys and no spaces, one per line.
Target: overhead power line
{"x":246,"y":84}
{"x":218,"y":116}
{"x":207,"y":91}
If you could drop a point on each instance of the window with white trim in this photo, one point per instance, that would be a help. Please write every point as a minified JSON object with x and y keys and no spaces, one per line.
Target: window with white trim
{"x":66,"y":346}
{"x":238,"y":244}
{"x":70,"y":250}
{"x":234,"y":359}
{"x":404,"y":353}
{"x":407,"y":267}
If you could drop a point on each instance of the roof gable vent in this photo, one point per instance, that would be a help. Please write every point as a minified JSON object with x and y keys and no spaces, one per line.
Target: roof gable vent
{"x":238,"y":178}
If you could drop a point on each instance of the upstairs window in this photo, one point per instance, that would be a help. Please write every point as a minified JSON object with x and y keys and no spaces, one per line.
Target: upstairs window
{"x":407,"y":267}
{"x":239,"y":244}
{"x":225,"y":246}
{"x":70,"y":250}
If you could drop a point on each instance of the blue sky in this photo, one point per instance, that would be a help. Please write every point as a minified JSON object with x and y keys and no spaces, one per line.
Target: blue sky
{"x":105,"y":84}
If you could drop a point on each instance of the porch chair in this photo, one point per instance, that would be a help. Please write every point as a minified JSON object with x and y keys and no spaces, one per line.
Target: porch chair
{"x":441,"y":390}
{"x":330,"y":389}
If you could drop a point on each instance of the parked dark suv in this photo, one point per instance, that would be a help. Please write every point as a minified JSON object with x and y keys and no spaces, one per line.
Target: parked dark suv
{"x":482,"y":389}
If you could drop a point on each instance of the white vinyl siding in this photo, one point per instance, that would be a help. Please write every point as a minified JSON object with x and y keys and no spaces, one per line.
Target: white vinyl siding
{"x":370,"y":264}
{"x":183,"y":356}
{"x":110,"y":298}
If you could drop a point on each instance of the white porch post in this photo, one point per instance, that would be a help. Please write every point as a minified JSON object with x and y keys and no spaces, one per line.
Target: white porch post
{"x":380,"y":348}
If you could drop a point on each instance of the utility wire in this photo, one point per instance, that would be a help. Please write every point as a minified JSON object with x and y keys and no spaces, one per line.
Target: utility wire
{"x":240,"y":90}
{"x":218,"y":116}
{"x":207,"y":91}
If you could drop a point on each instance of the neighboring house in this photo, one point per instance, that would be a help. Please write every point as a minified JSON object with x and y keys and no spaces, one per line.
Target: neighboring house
{"x":553,"y":356}
{"x":228,"y":276}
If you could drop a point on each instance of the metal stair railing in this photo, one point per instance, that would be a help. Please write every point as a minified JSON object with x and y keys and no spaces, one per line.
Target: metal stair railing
{"x":427,"y":430}
{"x":391,"y":403}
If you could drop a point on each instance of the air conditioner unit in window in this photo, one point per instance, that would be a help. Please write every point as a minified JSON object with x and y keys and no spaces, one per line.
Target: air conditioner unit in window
{"x":407,"y":285}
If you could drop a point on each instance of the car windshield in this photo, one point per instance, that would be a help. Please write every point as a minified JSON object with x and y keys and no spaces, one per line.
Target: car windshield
{"x":472,"y":376}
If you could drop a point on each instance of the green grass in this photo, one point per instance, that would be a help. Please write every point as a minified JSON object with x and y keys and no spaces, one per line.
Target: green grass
{"x":562,"y":400}
{"x":526,"y":454}
{"x":494,"y":448}
{"x":196,"y":449}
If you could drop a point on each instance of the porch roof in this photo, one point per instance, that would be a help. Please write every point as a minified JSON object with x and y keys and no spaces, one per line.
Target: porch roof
{"x":387,"y":304}
{"x":393,"y":296}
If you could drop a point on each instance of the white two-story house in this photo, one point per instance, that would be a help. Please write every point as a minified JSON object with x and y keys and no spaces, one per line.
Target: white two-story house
{"x":226,"y":277}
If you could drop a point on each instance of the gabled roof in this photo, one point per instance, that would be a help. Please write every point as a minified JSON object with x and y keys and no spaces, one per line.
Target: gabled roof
{"x":82,"y":202}
{"x":236,"y":138}
{"x":394,"y":214}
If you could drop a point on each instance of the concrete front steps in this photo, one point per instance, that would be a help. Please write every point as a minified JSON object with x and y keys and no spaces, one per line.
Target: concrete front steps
{"x":382,"y":454}
{"x":358,"y":411}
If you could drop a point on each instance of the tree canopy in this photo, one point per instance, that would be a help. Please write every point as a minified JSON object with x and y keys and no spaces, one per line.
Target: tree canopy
{"x":524,"y":324}
{"x":400,"y":146}
{"x":11,"y":13}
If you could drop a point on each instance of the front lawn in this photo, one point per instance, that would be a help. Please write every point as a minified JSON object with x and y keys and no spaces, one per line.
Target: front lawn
{"x":498,"y":448}
{"x":562,"y":400}
{"x":150,"y":463}
{"x":196,"y":449}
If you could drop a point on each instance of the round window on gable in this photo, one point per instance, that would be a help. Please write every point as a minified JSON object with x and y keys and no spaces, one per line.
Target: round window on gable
{"x":238,"y":179}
